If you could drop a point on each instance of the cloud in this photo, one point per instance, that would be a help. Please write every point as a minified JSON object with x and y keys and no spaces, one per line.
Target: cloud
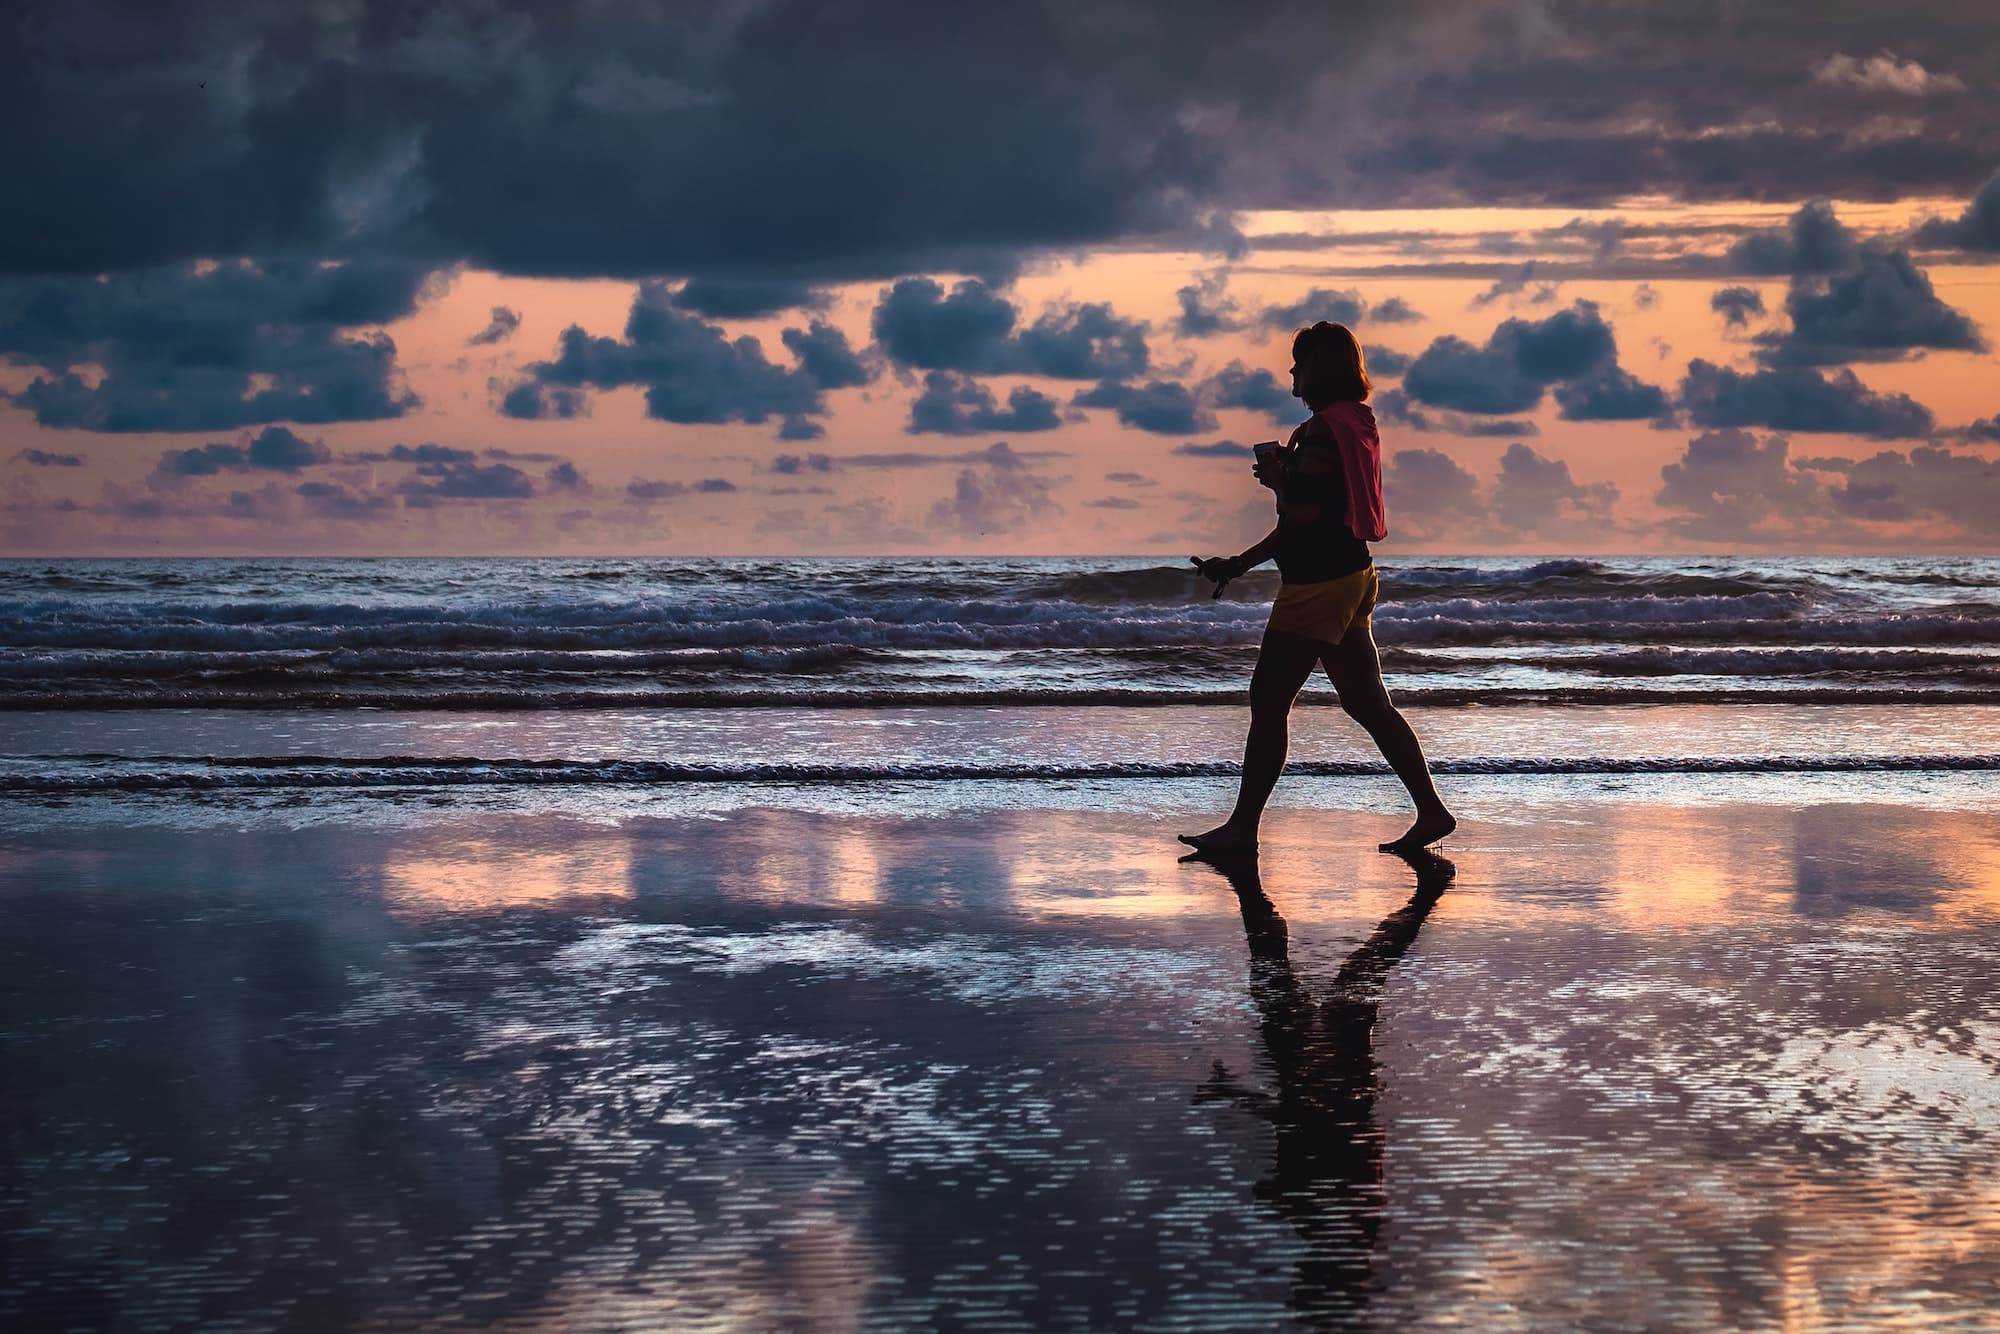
{"x":205,"y":348}
{"x":498,"y":329}
{"x":42,"y":458}
{"x":1736,"y":305}
{"x":1881,"y":310}
{"x":1813,"y":241}
{"x":791,"y":465}
{"x":564,"y":476}
{"x":690,"y":370}
{"x":1797,"y":398}
{"x":1926,"y":482}
{"x":1978,"y":228}
{"x":1986,"y":430}
{"x":955,"y":405}
{"x":1516,"y":365}
{"x":999,"y":453}
{"x":273,"y":449}
{"x":1220,"y":449}
{"x":1611,"y":394}
{"x":1113,"y":503}
{"x":1536,"y":494}
{"x":1395,"y":405}
{"x":1514,"y":284}
{"x":334,"y":500}
{"x":651,"y":491}
{"x":825,"y":357}
{"x":1237,"y":386}
{"x":529,"y":401}
{"x":1729,"y":484}
{"x":1645,"y":296}
{"x":1883,"y":73}
{"x":1001,"y":497}
{"x":1339,"y":306}
{"x":1429,"y":483}
{"x":971,"y":329}
{"x":1129,"y":478}
{"x":441,"y":482}
{"x":1394,"y":310}
{"x":785,"y":141}
{"x":746,"y":297}
{"x":1164,"y":407}
{"x":1206,"y":309}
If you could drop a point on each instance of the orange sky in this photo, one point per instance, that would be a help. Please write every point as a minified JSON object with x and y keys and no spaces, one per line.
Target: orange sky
{"x":1182,"y":504}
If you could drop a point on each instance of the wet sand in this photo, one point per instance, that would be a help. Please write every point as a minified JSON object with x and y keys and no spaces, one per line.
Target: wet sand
{"x":985,"y":1057}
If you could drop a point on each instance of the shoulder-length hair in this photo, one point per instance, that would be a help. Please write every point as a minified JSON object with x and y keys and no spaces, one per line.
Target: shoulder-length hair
{"x":1331,"y":369}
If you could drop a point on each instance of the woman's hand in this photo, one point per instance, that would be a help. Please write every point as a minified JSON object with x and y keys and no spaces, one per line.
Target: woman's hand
{"x":1218,"y":570}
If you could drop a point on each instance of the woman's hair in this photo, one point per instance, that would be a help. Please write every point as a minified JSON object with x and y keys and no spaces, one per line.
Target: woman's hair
{"x":1330,"y":366}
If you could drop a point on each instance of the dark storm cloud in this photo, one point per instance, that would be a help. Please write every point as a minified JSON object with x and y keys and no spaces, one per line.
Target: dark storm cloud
{"x":1517,"y":364}
{"x":955,"y":405}
{"x":741,"y":298}
{"x":691,"y":370}
{"x":1164,"y":407}
{"x":42,"y":458}
{"x":498,"y":329}
{"x":1881,"y":309}
{"x":1978,"y":228}
{"x":1798,"y":398}
{"x":1394,"y":405}
{"x":800,"y":142}
{"x":1736,"y":305}
{"x":1815,"y":240}
{"x":211,"y":348}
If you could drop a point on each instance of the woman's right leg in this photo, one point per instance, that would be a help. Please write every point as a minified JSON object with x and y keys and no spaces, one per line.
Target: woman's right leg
{"x":1355,"y":668}
{"x":1284,"y":661}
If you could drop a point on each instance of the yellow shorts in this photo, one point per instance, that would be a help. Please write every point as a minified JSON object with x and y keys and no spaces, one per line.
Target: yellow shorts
{"x":1327,"y":610}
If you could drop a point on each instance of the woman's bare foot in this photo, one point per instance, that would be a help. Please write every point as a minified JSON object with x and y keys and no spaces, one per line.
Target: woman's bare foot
{"x":1431,"y":827}
{"x":1223,"y":839}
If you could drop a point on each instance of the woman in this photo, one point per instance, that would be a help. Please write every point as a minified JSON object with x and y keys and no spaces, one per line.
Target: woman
{"x":1329,"y":507}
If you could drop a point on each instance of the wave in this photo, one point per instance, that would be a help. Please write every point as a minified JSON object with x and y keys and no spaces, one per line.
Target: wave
{"x":412,"y":771}
{"x":288,"y":696}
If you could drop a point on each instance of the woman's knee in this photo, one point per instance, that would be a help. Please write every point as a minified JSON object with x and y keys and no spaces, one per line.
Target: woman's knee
{"x":1366,"y":706}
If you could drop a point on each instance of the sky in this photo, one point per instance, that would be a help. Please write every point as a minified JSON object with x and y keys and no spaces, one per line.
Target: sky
{"x":747,"y":278}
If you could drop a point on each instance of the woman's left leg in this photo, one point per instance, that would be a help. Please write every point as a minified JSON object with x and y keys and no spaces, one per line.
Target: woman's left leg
{"x":1355,"y":669}
{"x":1284,"y":661}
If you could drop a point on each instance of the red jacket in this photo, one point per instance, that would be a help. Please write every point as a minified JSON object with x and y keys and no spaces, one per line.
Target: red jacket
{"x":1360,"y":444}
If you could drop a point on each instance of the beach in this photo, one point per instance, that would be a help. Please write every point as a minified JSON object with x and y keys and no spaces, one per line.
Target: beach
{"x":1673,"y":1051}
{"x":857,"y":1013}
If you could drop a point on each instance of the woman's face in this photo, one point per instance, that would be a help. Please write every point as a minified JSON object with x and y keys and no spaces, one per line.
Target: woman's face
{"x":1295,"y":377}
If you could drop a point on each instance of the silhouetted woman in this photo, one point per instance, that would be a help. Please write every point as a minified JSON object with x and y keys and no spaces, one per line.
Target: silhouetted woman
{"x":1329,"y":485}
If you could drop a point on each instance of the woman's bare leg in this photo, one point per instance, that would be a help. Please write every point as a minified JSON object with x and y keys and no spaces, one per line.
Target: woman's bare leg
{"x":1283,"y":664}
{"x":1355,"y":669}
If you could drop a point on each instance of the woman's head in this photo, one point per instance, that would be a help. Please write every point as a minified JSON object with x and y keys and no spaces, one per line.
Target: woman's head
{"x":1327,"y":366}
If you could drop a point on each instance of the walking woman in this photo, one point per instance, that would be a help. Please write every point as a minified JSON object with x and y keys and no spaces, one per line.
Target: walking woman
{"x":1329,"y":485}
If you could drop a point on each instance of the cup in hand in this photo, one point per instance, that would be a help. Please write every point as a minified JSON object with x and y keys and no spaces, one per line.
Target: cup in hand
{"x":1266,"y":454}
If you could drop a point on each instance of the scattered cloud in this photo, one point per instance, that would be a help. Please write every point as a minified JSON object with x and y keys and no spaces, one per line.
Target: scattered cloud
{"x":1737,"y":305}
{"x":42,"y":458}
{"x":1206,"y":307}
{"x":499,"y":328}
{"x":1814,"y":241}
{"x":745,"y":297}
{"x":958,"y":405}
{"x":1163,"y":407}
{"x":1395,"y":405}
{"x":1978,"y":228}
{"x":1884,"y":73}
{"x":1882,"y":309}
{"x":1003,"y":496}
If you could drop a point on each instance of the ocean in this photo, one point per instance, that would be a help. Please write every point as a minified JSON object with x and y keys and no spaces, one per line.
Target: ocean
{"x":127,"y":674}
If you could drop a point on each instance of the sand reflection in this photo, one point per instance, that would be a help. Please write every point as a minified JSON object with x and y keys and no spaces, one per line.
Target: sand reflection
{"x":483,"y":875}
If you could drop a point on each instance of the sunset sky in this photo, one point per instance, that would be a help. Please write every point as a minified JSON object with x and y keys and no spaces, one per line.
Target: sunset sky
{"x":742,"y":278}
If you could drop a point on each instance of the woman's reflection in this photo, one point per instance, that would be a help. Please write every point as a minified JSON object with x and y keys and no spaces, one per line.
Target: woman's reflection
{"x":1328,"y":1178}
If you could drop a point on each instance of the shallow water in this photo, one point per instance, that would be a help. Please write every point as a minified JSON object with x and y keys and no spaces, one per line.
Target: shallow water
{"x":983,"y":1064}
